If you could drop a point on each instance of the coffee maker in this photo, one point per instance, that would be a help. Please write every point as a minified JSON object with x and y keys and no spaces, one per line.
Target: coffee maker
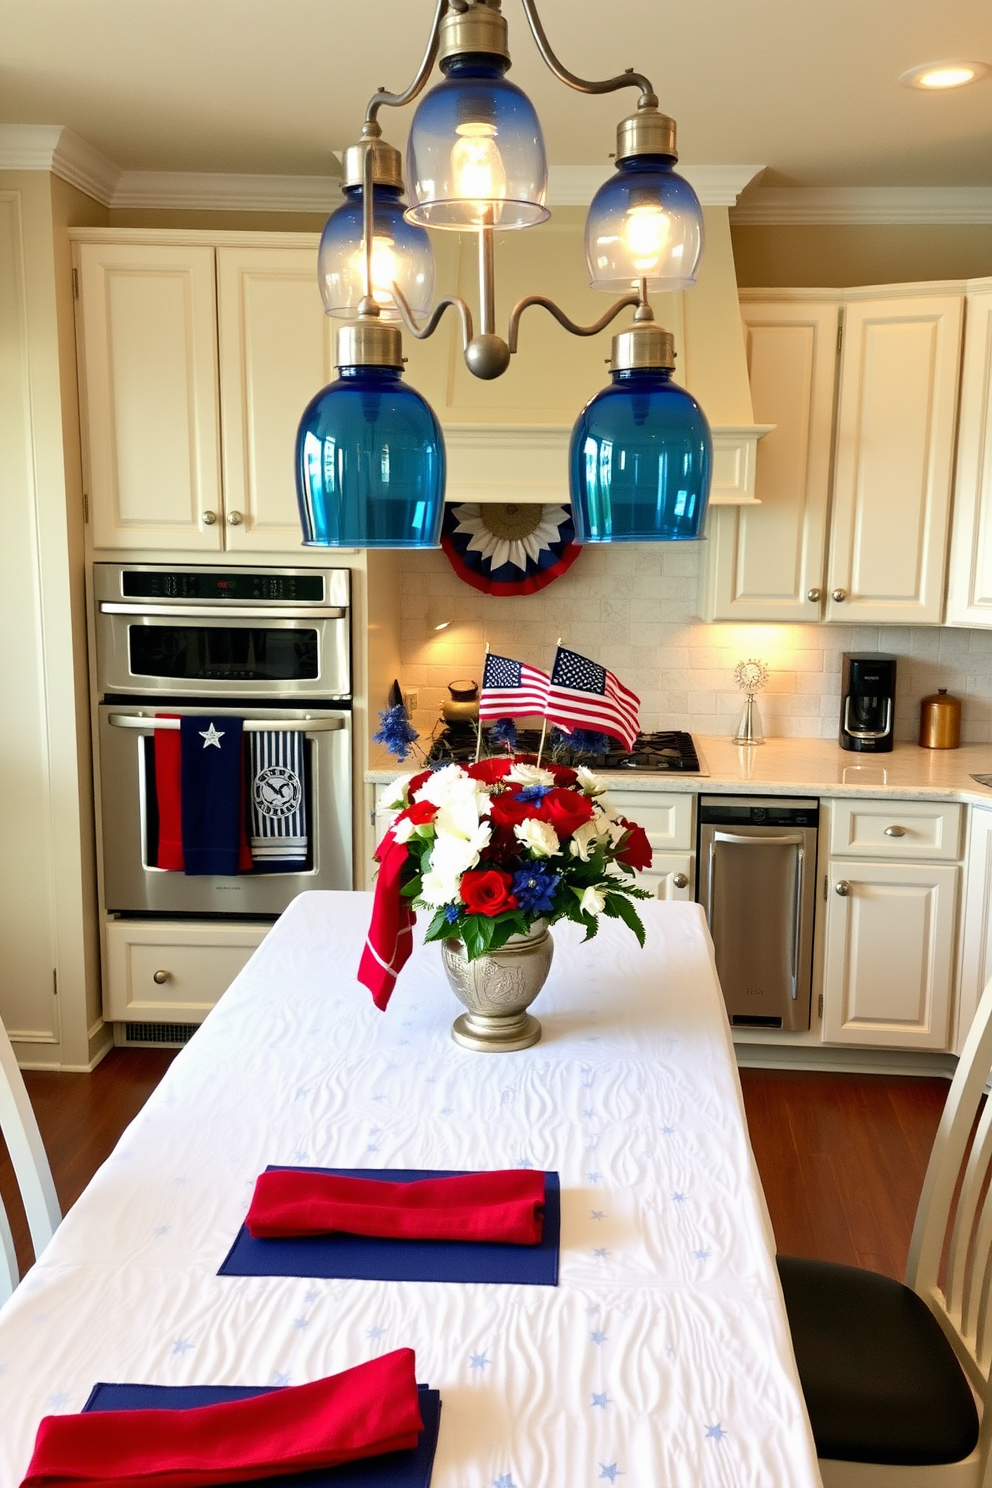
{"x":867,"y":703}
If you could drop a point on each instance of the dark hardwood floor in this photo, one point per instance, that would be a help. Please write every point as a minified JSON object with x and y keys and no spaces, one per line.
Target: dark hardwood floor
{"x":841,"y":1157}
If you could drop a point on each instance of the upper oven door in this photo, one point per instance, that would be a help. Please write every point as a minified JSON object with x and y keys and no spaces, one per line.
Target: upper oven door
{"x":237,"y":647}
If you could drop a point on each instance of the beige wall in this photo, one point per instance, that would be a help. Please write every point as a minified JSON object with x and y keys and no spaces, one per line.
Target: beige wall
{"x":840,"y":255}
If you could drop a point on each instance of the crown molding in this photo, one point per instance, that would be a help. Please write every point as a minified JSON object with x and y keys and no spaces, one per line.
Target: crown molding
{"x":775,"y":206}
{"x":715,"y":185}
{"x":200,"y":191}
{"x":52,"y":147}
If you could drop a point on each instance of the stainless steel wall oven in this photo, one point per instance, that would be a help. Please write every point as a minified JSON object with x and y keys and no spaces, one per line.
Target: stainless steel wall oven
{"x":270,"y":647}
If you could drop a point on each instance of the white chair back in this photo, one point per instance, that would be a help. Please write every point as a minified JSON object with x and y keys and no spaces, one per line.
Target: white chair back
{"x":950,"y":1255}
{"x":30,"y":1163}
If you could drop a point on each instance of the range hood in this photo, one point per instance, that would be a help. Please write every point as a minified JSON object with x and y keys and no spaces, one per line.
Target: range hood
{"x":497,"y":453}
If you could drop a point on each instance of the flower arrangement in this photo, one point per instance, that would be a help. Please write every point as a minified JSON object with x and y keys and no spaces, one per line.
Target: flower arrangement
{"x":495,"y":846}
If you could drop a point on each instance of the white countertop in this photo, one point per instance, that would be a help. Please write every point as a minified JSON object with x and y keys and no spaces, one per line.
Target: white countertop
{"x":815,"y":767}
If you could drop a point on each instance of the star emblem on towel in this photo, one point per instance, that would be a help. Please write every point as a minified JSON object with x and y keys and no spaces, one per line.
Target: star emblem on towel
{"x":211,"y":736}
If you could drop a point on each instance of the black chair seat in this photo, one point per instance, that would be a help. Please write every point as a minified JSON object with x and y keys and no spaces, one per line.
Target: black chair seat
{"x":881,"y":1381}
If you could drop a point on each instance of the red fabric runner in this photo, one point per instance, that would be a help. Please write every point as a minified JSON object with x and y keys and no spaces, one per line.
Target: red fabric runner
{"x":168,"y":791}
{"x":363,"y":1412}
{"x":390,"y":938}
{"x":505,"y":1206}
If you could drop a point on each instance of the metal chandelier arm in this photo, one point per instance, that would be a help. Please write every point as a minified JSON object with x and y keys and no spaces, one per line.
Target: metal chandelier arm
{"x":400,"y":100}
{"x":430,"y":325}
{"x":563,"y":319}
{"x":628,"y":79}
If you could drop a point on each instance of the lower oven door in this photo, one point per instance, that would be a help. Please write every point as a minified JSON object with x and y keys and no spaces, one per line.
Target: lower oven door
{"x":133,"y":884}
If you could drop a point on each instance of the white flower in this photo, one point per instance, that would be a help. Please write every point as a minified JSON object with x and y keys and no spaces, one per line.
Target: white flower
{"x":539,"y":836}
{"x":452,"y":855}
{"x":591,"y":784}
{"x":460,"y":818}
{"x":451,"y":785}
{"x":593,"y":901}
{"x":403,"y":830}
{"x":585,"y":838}
{"x":530,"y":775}
{"x":396,"y":797}
{"x":438,"y":889}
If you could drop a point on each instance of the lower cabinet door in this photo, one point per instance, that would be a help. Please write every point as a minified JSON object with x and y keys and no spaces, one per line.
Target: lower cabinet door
{"x":669,"y":877}
{"x":889,"y":953}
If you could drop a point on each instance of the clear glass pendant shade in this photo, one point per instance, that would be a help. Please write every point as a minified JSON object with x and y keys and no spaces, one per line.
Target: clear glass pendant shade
{"x":475,"y":155}
{"x":370,"y":464}
{"x":645,"y":222}
{"x":640,"y":461}
{"x":401,"y":254}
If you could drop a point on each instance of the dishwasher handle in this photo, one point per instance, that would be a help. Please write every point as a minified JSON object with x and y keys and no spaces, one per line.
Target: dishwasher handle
{"x":740,"y":839}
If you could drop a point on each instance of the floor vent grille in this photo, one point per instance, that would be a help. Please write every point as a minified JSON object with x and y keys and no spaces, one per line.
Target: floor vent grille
{"x":159,"y":1033}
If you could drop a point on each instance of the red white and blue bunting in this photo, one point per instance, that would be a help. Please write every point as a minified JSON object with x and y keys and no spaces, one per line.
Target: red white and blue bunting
{"x":507,"y":548}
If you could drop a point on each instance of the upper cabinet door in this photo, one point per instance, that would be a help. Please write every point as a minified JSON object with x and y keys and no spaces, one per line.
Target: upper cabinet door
{"x":969,"y":597}
{"x":765,"y":562}
{"x":149,"y":363}
{"x":276,"y":353}
{"x":894,"y":459}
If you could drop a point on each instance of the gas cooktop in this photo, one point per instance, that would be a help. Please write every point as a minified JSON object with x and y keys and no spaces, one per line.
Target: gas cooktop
{"x":667,"y":751}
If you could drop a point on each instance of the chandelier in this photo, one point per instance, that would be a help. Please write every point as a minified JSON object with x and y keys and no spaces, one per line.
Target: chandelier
{"x":370,"y":456}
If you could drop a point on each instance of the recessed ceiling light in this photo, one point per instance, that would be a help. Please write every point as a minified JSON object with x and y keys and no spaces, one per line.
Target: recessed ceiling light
{"x":938,"y":75}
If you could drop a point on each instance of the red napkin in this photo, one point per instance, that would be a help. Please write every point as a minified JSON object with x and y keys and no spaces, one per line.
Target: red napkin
{"x":168,"y":791}
{"x":363,"y":1412}
{"x":506,"y":1206}
{"x":390,"y":938}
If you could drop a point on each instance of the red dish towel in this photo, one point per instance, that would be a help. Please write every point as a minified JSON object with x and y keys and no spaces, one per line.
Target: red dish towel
{"x":504,"y":1206}
{"x":363,"y":1412}
{"x":390,"y":938}
{"x":168,"y":792}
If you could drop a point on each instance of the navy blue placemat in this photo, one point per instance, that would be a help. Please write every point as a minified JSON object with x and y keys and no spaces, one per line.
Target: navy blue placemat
{"x":392,"y":1470}
{"x":366,"y":1258}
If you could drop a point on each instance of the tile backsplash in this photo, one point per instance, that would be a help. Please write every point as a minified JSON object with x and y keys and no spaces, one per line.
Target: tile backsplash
{"x":632,"y":608}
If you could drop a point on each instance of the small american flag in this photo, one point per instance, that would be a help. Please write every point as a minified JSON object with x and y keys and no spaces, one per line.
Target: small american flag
{"x":511,"y":689}
{"x":585,"y":695}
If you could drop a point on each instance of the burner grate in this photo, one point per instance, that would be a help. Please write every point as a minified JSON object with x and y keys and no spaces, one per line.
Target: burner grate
{"x":663,"y":752}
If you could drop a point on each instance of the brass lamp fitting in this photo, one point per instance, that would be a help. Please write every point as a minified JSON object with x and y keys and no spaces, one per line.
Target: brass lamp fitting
{"x":369,"y":342}
{"x":648,"y":132}
{"x":480,"y":27}
{"x":387,"y":164}
{"x":645,"y":345}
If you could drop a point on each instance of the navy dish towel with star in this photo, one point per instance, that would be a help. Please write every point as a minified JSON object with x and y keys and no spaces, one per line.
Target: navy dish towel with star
{"x":212,"y":799}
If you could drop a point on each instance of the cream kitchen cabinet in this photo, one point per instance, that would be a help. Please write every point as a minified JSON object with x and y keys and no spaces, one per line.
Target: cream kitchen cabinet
{"x":868,"y":546}
{"x":969,"y":594}
{"x":888,"y":927}
{"x":669,"y":821}
{"x":197,"y":362}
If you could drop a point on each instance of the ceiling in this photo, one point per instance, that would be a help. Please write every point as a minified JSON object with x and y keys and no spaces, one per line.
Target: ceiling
{"x":274,"y":86}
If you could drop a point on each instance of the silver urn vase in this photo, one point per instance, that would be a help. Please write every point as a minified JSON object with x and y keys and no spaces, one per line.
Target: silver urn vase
{"x":497,"y":989}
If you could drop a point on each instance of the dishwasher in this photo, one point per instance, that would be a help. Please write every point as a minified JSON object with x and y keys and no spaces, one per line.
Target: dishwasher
{"x":756,"y":881}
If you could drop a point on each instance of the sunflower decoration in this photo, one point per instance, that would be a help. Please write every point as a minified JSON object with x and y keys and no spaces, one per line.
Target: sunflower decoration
{"x":751,"y":676}
{"x":505,"y":547}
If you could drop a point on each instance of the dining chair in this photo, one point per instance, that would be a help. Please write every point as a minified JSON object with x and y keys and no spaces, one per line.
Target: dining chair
{"x":897,"y":1377}
{"x":31,"y":1170}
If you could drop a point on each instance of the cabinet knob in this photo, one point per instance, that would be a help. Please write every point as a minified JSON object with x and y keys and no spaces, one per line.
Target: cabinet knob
{"x":160,"y":977}
{"x":814,"y":595}
{"x":234,"y":519}
{"x":839,"y":595}
{"x":209,"y":518}
{"x":680,"y":881}
{"x":843,"y":888}
{"x":895,"y":831}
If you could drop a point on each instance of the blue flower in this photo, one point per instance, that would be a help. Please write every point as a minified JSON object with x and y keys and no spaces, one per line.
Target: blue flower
{"x":504,"y":731}
{"x":533,"y":793}
{"x":534,"y":888}
{"x":451,"y":913}
{"x":397,"y":732}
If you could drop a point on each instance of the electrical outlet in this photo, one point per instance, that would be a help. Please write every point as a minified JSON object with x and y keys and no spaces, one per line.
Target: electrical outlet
{"x":412,"y":699}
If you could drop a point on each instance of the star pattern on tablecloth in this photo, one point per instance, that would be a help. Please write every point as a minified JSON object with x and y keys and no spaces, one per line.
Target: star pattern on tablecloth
{"x":601,"y":1252}
{"x":301,"y":1324}
{"x":715,"y":1433}
{"x":702,"y":1254}
{"x":375,"y":1333}
{"x":600,"y":1400}
{"x":57,"y":1400}
{"x":597,"y":1214}
{"x":610,"y":1471}
{"x":589,"y":1114}
{"x":302,"y":1092}
{"x":161,"y":1230}
{"x":182,"y":1346}
{"x":479,"y":1361}
{"x":504,"y":1480}
{"x":592,"y":1177}
{"x":678,"y":1198}
{"x":597,"y":1337}
{"x":311,"y":1296}
{"x":668,"y":1131}
{"x":281,"y":1378}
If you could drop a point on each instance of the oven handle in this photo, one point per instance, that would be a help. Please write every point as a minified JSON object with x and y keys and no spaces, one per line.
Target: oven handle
{"x":179,"y":612}
{"x":250,"y":725}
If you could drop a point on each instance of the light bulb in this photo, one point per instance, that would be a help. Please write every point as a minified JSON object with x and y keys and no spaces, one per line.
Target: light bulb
{"x":645,"y":235}
{"x":476,"y":164}
{"x":386,"y":269}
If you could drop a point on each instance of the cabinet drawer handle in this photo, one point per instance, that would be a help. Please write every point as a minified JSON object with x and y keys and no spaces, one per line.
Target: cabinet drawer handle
{"x":234,"y":519}
{"x":209,"y":518}
{"x":895,"y":831}
{"x":161,"y":977}
{"x":680,"y":881}
{"x":843,"y":888}
{"x":839,"y":595}
{"x":814,"y":595}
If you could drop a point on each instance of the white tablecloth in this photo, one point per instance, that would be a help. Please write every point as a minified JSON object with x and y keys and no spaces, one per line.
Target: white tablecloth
{"x":662,"y":1358}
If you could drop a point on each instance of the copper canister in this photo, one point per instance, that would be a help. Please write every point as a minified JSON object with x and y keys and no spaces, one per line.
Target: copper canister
{"x":940,"y":721}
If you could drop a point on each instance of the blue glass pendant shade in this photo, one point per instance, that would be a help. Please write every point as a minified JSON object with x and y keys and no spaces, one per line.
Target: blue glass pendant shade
{"x":401,"y":254}
{"x":475,"y":155}
{"x":370,"y":464}
{"x":640,"y":462}
{"x":645,"y":222}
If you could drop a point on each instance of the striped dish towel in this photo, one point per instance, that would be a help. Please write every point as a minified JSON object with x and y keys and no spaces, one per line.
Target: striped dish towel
{"x":278,"y":799}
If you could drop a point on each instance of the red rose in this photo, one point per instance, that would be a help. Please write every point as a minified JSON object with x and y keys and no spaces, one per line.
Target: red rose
{"x":636,"y":851}
{"x":505,"y":810}
{"x":487,"y":892}
{"x":563,"y":774}
{"x":565,"y":810}
{"x":418,"y":813}
{"x":490,"y":770}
